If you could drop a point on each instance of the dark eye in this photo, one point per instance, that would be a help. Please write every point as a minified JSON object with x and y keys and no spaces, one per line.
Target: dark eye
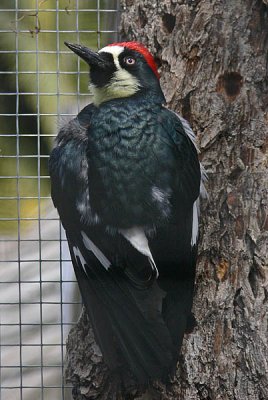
{"x":129,"y":60}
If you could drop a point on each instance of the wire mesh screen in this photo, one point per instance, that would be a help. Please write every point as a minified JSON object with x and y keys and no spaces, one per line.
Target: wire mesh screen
{"x":42,"y":84}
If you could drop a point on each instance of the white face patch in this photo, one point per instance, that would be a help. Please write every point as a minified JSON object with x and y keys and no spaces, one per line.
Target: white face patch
{"x":114,"y":50}
{"x":123,"y":83}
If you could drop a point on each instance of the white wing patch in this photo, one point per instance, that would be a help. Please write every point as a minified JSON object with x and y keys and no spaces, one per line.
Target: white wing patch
{"x":77,"y":253}
{"x":96,"y":251}
{"x":195,"y":222}
{"x":138,"y":239}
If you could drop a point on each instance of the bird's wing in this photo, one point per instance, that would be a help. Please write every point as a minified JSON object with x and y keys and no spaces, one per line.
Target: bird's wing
{"x":118,"y":309}
{"x":188,"y":166}
{"x":115,"y":271}
{"x":174,"y":246}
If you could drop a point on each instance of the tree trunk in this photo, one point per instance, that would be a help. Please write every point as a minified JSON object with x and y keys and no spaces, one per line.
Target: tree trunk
{"x":213,"y":62}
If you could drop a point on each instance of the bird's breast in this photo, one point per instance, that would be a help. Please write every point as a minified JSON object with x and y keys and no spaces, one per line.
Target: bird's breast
{"x":128,"y":171}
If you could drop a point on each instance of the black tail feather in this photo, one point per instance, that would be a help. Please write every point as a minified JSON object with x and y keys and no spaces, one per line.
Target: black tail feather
{"x":127,"y":316}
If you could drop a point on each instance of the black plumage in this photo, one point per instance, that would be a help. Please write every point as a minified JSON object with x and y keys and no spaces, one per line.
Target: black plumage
{"x":121,"y":171}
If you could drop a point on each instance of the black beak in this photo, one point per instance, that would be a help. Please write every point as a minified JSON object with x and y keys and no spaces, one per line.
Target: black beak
{"x":91,"y":57}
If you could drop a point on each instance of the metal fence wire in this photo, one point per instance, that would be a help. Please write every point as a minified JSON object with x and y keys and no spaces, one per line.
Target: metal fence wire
{"x":42,"y":84}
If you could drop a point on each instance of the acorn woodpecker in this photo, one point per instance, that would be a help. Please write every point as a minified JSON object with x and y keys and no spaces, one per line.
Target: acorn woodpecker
{"x":126,"y":181}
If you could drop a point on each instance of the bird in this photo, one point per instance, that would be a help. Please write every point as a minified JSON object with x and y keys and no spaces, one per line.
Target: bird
{"x":126,"y":181}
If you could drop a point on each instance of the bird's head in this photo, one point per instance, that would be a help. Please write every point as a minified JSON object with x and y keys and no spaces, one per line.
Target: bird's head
{"x":120,"y":70}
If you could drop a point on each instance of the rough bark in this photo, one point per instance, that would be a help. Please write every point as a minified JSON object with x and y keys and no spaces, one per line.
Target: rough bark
{"x":213,"y":62}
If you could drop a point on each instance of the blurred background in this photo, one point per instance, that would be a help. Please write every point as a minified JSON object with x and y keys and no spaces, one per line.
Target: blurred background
{"x":42,"y":86}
